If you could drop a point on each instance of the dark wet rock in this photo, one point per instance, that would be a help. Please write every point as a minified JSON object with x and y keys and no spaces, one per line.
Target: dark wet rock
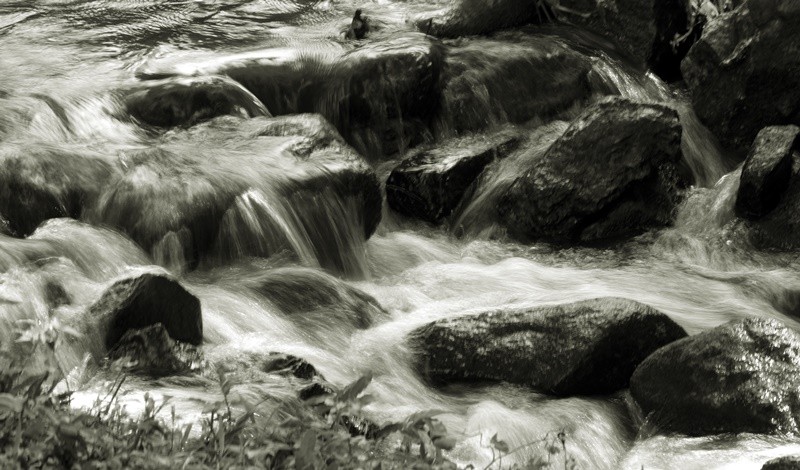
{"x":584,"y":348}
{"x":39,"y":183}
{"x":789,"y":462}
{"x":744,"y":72}
{"x":187,"y":101}
{"x":780,"y":228}
{"x":143,"y":300}
{"x":287,"y":364}
{"x":359,"y":27}
{"x":738,"y":377}
{"x":150,"y":351}
{"x":313,"y":296}
{"x":613,"y":173}
{"x":512,"y":77}
{"x":380,"y":96}
{"x":767,"y":171}
{"x":430,"y":183}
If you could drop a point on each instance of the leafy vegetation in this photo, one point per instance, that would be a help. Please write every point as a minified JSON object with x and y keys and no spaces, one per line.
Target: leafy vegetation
{"x":39,"y":428}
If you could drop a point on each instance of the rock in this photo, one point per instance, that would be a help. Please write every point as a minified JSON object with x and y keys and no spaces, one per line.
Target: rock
{"x":613,"y":173}
{"x":767,"y":170}
{"x":143,"y":300}
{"x":39,"y":183}
{"x":187,"y":101}
{"x":313,"y":296}
{"x":151,"y":351}
{"x":284,"y":364}
{"x":583,"y":348}
{"x":744,"y":72}
{"x":738,"y":377}
{"x":511,"y":77}
{"x":430,"y":183}
{"x":790,"y":462}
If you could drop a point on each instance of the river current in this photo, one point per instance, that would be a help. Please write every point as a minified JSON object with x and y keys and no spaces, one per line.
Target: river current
{"x":65,"y":69}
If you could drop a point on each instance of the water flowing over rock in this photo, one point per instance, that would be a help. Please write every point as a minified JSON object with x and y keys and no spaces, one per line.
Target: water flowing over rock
{"x":187,"y":101}
{"x":744,"y":72}
{"x":613,"y":173}
{"x":430,"y":183}
{"x":39,"y":183}
{"x":150,"y":351}
{"x":584,"y":348}
{"x":143,"y":300}
{"x":380,"y":96}
{"x":263,"y":189}
{"x":767,"y":171}
{"x":738,"y":377}
{"x":310,"y":296}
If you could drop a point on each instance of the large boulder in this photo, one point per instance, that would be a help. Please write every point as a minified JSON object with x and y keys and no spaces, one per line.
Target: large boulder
{"x":613,"y":173}
{"x":744,"y":72}
{"x":186,"y":101}
{"x":430,"y":183}
{"x":767,"y":171}
{"x":143,"y":300}
{"x":40,"y":182}
{"x":738,"y":377}
{"x":511,"y":77}
{"x":312,"y":296}
{"x":584,"y":348}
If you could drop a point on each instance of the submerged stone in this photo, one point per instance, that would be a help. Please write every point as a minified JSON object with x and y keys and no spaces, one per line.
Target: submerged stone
{"x":310,"y":295}
{"x":767,"y":171}
{"x":613,"y":173}
{"x":790,"y":462}
{"x":738,"y":377}
{"x":288,"y":364}
{"x":430,"y":183}
{"x":744,"y":72}
{"x":187,"y":101}
{"x":584,"y":348}
{"x":143,"y":300}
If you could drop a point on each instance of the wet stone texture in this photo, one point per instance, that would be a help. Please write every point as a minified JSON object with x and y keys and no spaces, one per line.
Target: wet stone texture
{"x":738,"y":377}
{"x":144,"y":300}
{"x":744,"y":72}
{"x":767,"y":170}
{"x":429,"y":184}
{"x":612,"y":174}
{"x":584,"y":348}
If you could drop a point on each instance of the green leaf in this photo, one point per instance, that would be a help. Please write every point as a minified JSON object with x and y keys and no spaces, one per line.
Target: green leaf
{"x":352,"y":391}
{"x":304,"y":455}
{"x":10,"y":403}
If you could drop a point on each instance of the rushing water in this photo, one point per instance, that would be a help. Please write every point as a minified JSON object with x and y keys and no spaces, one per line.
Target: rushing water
{"x":67,"y":68}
